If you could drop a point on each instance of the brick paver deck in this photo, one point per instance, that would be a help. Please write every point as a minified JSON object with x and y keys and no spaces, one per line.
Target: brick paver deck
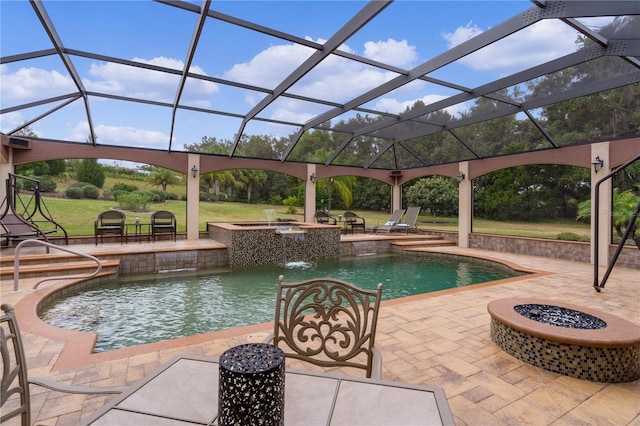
{"x":439,"y":339}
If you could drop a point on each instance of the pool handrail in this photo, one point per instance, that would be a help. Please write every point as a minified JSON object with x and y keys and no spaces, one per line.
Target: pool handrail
{"x":16,"y":264}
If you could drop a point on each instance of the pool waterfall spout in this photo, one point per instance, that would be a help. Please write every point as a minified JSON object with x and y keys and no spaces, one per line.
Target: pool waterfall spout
{"x":177,"y":261}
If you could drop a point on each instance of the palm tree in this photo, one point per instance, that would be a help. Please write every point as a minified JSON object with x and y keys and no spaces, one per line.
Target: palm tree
{"x":163,"y":178}
{"x":624,"y":211}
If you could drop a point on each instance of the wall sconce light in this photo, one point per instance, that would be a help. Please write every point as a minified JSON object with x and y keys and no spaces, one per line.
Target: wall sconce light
{"x":597,"y":164}
{"x":460,"y":176}
{"x":313,"y":178}
{"x":194,"y":171}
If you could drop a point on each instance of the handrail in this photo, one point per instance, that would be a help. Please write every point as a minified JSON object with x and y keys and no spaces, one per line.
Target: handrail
{"x":16,"y":264}
{"x":596,"y":228}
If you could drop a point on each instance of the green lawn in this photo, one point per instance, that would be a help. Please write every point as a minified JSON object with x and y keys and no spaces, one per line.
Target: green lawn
{"x":77,"y":217}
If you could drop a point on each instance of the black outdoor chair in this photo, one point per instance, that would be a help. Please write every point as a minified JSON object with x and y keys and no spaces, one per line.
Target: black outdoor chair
{"x":353,"y":222}
{"x":163,"y":222}
{"x":324,"y":218}
{"x":110,"y":222}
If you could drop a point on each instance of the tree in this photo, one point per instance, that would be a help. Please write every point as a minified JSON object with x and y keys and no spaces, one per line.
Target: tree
{"x":163,"y":178}
{"x":436,"y":194}
{"x":624,"y":206}
{"x":90,"y":171}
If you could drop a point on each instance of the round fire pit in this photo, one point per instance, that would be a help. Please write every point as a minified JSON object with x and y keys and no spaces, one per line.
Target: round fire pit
{"x":567,"y":339}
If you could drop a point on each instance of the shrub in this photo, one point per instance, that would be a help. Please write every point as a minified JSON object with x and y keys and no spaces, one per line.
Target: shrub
{"x":90,"y":191}
{"x":290,"y":201}
{"x":158,"y":196}
{"x":134,"y":200}
{"x":123,"y":187}
{"x":46,"y":184}
{"x":570,"y":236}
{"x":73,"y":192}
{"x":276,"y":200}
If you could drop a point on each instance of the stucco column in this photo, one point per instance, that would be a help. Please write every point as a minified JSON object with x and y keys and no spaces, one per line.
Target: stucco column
{"x":603,"y":212}
{"x":465,"y":205}
{"x":193,"y":198}
{"x":6,"y":167}
{"x":310,"y":194}
{"x":396,"y":196}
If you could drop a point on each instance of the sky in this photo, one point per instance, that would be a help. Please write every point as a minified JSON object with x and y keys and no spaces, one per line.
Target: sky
{"x":405,"y":34}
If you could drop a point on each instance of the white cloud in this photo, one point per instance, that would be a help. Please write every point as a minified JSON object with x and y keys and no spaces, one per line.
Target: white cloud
{"x":544,"y":41}
{"x":138,"y":82}
{"x":30,"y":83}
{"x":393,"y":52}
{"x":395,"y":107}
{"x":121,"y":136}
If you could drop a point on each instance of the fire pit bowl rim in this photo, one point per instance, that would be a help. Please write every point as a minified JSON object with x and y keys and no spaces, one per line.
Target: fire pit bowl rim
{"x":618,"y":332}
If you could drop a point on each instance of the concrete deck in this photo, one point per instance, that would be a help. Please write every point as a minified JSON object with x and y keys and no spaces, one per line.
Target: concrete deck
{"x":439,"y":339}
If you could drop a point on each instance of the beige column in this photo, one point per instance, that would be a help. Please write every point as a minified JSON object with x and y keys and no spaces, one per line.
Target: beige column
{"x":193,"y":198}
{"x":6,"y":167}
{"x":465,"y":205}
{"x":603,"y":212}
{"x":396,"y":196}
{"x":310,"y":194}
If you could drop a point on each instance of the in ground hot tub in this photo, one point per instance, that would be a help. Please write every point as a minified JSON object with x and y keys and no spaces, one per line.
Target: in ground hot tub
{"x":567,"y":339}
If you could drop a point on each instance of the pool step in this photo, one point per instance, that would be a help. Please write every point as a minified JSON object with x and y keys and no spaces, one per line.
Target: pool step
{"x":47,"y":269}
{"x":416,"y":245}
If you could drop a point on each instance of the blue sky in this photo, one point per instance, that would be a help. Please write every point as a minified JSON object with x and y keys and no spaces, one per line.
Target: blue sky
{"x":405,"y":34}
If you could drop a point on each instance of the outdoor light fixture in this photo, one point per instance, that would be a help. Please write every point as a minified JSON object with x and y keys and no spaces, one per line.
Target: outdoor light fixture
{"x":313,"y":177}
{"x":194,"y":171}
{"x":597,"y":164}
{"x":460,"y":176}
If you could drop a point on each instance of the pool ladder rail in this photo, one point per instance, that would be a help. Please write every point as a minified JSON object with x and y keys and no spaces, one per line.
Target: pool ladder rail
{"x":16,"y":264}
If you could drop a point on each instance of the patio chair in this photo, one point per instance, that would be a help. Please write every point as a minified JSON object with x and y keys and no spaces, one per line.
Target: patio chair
{"x":394,"y":219}
{"x":163,"y":222}
{"x":353,"y":222}
{"x":16,"y":400}
{"x":325,"y":219}
{"x":329,"y":323}
{"x":110,"y":222}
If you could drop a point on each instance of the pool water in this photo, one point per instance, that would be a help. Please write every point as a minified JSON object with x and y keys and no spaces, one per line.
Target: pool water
{"x":136,"y":310}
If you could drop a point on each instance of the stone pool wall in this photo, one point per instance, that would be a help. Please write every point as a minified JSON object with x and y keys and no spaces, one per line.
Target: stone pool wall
{"x":260,"y":244}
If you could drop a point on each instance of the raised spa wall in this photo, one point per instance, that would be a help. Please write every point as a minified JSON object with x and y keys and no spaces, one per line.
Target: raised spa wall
{"x":250,"y":244}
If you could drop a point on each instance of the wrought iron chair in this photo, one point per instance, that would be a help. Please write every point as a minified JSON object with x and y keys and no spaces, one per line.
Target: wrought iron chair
{"x":354,"y":222}
{"x":163,"y":222}
{"x":324,"y":218}
{"x":110,"y":222}
{"x":329,"y":323}
{"x":15,"y":382}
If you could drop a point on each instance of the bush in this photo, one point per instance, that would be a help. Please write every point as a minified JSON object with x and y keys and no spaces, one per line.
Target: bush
{"x":123,"y":187}
{"x":90,"y":191}
{"x":46,"y":184}
{"x":158,"y":196}
{"x":570,"y":236}
{"x":291,"y":201}
{"x":276,"y":200}
{"x":74,"y":192}
{"x":134,"y":200}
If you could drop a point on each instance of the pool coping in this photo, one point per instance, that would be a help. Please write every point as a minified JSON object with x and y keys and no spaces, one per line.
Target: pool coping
{"x":77,"y":350}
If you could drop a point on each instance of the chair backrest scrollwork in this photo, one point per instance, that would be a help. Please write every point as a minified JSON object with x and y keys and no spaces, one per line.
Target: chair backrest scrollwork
{"x":327,"y":322}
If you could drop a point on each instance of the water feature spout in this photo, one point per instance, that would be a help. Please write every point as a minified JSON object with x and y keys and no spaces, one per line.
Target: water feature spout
{"x":269,"y":213}
{"x":177,"y":261}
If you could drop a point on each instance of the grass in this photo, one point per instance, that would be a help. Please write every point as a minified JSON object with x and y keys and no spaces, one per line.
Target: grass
{"x":77,"y":217}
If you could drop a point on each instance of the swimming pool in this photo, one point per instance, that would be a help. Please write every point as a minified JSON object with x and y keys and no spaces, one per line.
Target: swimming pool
{"x":136,"y":309}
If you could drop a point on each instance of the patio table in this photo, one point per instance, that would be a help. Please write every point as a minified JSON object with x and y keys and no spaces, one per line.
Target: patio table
{"x":185,"y":391}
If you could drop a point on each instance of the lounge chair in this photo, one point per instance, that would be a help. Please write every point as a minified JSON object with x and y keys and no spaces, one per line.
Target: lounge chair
{"x":329,"y":323}
{"x":325,"y":219}
{"x":406,"y":225}
{"x":15,"y":381}
{"x":353,"y":222}
{"x":110,"y":222}
{"x":394,"y":219}
{"x":163,"y":222}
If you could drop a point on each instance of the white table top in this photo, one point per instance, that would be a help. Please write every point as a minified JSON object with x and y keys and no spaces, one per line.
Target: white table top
{"x":185,"y":391}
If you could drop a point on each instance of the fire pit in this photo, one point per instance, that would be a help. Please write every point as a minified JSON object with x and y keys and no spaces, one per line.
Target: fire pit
{"x":571,"y":340}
